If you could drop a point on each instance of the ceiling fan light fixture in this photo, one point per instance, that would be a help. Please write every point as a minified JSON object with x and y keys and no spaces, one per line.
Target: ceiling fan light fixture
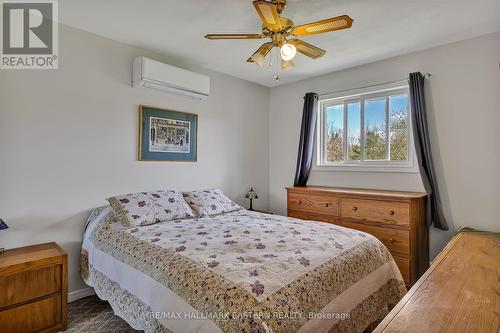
{"x":288,"y":52}
{"x":258,"y":58}
{"x":286,"y":65}
{"x":280,"y":29}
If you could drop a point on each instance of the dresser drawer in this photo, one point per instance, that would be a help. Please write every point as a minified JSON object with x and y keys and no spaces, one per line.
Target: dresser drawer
{"x":32,"y":317}
{"x":314,"y":217}
{"x":395,"y":213}
{"x":31,"y":284}
{"x":316,"y":204}
{"x":404,"y":267}
{"x":395,"y":240}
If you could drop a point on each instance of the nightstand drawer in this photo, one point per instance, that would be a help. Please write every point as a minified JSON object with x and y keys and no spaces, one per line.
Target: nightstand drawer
{"x":395,"y":240}
{"x":33,"y":317}
{"x":393,"y":213}
{"x":316,"y":204}
{"x":31,"y":284}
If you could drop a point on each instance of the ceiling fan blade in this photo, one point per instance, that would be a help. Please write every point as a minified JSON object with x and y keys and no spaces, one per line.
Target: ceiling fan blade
{"x":307,"y":49}
{"x":260,"y":55}
{"x":286,"y":65}
{"x":268,"y":13}
{"x":331,"y":24}
{"x":234,"y":36}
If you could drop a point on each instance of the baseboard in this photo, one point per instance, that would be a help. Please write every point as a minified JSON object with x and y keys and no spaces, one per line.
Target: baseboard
{"x":79,"y":294}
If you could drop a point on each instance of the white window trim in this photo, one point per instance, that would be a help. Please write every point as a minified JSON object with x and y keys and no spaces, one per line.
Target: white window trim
{"x":409,"y":166}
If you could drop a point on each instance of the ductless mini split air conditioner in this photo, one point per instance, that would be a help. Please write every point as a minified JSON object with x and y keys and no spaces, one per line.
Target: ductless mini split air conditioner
{"x":150,"y":73}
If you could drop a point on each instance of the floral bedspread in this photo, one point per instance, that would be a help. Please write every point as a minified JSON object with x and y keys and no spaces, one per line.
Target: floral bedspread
{"x":269,"y":272}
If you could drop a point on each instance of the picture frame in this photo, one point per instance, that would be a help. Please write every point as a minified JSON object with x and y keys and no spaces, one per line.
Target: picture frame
{"x":167,"y":135}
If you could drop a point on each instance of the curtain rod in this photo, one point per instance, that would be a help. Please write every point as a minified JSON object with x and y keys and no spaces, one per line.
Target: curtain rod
{"x":426,"y":75}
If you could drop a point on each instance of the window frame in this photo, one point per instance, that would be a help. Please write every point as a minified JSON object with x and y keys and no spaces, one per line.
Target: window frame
{"x":361,"y":95}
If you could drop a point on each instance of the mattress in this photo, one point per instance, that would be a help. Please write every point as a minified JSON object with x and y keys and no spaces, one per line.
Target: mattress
{"x":242,"y":271}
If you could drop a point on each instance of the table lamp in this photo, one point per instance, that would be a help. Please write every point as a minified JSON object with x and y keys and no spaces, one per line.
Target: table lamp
{"x":251,"y":195}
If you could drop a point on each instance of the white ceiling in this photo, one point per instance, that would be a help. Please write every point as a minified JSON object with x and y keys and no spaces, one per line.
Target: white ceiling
{"x":381,"y":29}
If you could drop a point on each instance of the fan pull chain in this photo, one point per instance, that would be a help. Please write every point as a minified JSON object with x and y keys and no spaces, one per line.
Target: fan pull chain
{"x":277,"y":67}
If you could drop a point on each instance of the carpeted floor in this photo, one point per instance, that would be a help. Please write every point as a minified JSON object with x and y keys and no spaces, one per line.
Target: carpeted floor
{"x":90,"y":314}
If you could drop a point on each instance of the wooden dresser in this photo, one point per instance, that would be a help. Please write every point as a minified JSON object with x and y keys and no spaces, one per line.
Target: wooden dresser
{"x":396,"y":218}
{"x":33,"y":289}
{"x":459,"y":293}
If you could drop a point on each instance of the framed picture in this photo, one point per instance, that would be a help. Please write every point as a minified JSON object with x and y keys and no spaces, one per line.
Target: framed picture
{"x":166,"y":135}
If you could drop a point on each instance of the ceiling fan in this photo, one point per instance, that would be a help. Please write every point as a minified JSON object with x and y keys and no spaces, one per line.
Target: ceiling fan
{"x":280,"y":29}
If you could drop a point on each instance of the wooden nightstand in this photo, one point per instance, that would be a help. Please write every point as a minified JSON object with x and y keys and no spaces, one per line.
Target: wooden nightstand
{"x":34,"y":289}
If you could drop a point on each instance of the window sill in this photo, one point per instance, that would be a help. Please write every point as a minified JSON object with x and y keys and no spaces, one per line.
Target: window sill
{"x":395,"y":168}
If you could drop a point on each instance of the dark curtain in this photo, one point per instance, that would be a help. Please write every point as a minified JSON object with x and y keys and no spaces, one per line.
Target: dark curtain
{"x":306,"y":143}
{"x":434,"y":209}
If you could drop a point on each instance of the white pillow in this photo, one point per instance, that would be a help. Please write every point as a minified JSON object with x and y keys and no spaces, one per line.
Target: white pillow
{"x":210,"y":202}
{"x":144,"y":208}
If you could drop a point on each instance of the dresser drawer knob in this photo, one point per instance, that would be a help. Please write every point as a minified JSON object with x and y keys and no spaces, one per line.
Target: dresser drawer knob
{"x":300,"y":202}
{"x":392,"y":240}
{"x":326,"y":205}
{"x":354,"y":208}
{"x":392,"y":212}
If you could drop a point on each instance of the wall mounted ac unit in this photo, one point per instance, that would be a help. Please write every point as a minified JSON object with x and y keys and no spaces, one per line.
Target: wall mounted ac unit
{"x":157,"y":75}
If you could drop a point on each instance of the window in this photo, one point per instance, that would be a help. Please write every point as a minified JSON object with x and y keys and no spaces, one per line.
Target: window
{"x":366,"y":131}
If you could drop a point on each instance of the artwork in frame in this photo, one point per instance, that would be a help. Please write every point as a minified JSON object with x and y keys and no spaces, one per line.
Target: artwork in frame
{"x":166,"y":135}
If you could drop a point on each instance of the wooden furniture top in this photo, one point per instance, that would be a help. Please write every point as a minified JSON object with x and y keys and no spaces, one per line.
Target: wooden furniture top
{"x":357,"y":191}
{"x":458,"y":293}
{"x":16,"y":260}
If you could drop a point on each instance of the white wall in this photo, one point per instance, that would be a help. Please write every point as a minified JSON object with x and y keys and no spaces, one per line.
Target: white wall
{"x":463,"y":99}
{"x":68,"y":140}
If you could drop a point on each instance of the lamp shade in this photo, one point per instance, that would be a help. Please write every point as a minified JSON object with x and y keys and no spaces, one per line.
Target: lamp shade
{"x":251,"y":194}
{"x":3,"y":226}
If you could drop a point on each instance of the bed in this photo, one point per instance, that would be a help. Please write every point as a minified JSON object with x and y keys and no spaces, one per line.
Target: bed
{"x":241,"y":271}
